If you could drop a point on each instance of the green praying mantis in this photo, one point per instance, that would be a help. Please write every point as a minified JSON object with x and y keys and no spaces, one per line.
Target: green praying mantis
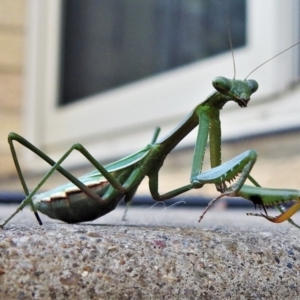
{"x":97,"y":193}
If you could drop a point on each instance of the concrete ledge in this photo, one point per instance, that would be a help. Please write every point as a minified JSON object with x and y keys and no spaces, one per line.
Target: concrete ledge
{"x":171,"y":256}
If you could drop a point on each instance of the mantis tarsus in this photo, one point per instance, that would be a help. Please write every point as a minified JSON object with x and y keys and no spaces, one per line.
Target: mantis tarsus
{"x":99,"y":192}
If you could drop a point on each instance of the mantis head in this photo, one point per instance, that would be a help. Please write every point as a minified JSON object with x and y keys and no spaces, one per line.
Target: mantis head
{"x":237,"y":90}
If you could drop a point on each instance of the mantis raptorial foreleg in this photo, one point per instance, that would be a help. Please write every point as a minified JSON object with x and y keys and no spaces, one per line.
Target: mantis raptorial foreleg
{"x":238,"y":166}
{"x":268,"y":197}
{"x":264,"y":198}
{"x":287,"y":195}
{"x":285,"y":215}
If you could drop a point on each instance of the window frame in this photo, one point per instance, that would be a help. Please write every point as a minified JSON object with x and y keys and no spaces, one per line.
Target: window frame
{"x":100,"y":122}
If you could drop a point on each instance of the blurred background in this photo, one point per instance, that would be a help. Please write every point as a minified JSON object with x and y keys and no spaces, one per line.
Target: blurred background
{"x":105,"y":73}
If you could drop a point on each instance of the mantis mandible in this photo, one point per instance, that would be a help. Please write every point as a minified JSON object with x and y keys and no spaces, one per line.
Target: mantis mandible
{"x":97,"y":193}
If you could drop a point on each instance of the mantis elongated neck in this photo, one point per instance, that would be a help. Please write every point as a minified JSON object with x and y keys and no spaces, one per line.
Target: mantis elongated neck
{"x":209,"y":110}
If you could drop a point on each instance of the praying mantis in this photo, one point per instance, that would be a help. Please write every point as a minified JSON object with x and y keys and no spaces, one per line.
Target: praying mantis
{"x":97,"y":193}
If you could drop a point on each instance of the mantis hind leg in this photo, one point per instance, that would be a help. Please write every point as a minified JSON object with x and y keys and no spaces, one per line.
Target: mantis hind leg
{"x":56,"y":166}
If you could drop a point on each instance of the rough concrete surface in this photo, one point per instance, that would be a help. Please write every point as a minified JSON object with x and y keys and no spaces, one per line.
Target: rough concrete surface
{"x":157,"y":253}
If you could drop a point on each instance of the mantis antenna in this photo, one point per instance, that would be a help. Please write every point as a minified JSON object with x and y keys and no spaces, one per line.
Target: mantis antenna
{"x":230,"y":40}
{"x":272,"y":58}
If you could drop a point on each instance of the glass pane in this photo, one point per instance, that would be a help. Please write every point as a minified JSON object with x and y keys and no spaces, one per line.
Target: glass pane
{"x":108,"y":43}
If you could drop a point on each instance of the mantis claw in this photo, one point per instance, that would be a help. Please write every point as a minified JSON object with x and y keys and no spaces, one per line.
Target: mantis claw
{"x":284,"y":216}
{"x":261,"y":206}
{"x":270,"y":218}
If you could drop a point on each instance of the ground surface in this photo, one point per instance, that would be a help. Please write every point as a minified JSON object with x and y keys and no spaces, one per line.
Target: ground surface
{"x":158,"y":253}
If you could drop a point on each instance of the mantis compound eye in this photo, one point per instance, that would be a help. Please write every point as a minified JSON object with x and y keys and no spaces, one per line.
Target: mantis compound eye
{"x":222,"y":84}
{"x":253,"y":85}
